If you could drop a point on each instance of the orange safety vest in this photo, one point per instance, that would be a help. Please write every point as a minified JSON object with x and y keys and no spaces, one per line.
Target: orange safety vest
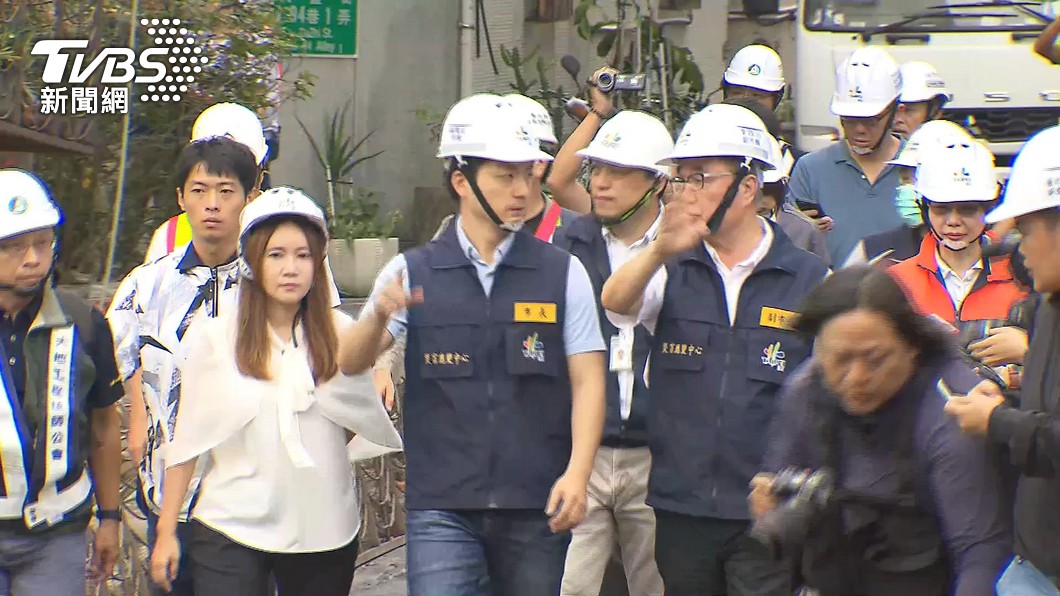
{"x":178,"y":232}
{"x":991,"y":297}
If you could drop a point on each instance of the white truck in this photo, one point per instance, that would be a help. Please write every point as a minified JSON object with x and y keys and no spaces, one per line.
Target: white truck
{"x":1002,"y":91}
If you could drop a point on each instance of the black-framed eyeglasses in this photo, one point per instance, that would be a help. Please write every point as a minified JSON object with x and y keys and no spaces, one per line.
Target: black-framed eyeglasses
{"x":695,"y":181}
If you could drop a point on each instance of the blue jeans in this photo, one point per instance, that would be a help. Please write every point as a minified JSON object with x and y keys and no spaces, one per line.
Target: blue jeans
{"x":484,"y":553}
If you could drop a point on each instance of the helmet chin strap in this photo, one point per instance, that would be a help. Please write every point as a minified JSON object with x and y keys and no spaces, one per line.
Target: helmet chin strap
{"x":608,"y":222}
{"x":510,"y":227}
{"x":714,"y":223}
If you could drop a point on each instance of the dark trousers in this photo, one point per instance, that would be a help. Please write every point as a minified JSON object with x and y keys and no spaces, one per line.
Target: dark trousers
{"x":484,"y":553}
{"x":702,"y":556}
{"x":182,"y":585}
{"x":221,"y":567}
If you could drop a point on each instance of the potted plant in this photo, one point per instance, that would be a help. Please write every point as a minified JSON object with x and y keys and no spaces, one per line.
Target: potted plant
{"x":361,"y":243}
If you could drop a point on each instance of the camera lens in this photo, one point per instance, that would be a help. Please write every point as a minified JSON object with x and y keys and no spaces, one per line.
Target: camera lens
{"x":606,"y":81}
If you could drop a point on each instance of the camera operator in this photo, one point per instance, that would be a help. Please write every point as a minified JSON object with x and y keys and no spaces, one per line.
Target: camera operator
{"x":916,"y":506}
{"x":1031,"y":432}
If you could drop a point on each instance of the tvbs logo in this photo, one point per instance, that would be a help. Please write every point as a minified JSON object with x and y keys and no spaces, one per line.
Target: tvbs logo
{"x":174,"y":53}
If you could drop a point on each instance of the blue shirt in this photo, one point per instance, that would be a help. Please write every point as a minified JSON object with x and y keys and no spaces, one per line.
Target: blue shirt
{"x":831,"y":178}
{"x":581,"y":324}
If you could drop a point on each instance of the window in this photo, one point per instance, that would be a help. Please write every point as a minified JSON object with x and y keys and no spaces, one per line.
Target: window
{"x":550,"y":11}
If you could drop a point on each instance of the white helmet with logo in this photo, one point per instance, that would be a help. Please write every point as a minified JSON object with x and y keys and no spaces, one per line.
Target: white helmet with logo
{"x":25,"y":205}
{"x":1034,"y":183}
{"x":957,"y":173}
{"x":539,"y":121}
{"x":236,"y":122}
{"x":921,"y":82}
{"x":632,"y":139}
{"x":486,"y":126}
{"x":935,"y":133}
{"x":757,"y":67}
{"x":278,"y":201}
{"x":867,"y":82}
{"x":724,"y":130}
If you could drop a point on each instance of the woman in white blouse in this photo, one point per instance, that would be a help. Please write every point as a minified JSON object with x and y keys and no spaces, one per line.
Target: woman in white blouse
{"x":264,"y":405}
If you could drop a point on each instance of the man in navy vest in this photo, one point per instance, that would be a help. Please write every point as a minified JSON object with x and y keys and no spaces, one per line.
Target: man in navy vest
{"x":504,"y":373}
{"x":718,"y":288}
{"x":60,"y":432}
{"x":626,"y":185}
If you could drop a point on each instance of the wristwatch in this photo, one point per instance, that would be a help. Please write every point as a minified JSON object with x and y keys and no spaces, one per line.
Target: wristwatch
{"x":105,"y":514}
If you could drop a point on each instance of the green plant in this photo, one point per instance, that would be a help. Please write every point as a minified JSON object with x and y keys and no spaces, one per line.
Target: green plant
{"x":683,"y":76}
{"x":540,"y":88}
{"x":432,"y":119}
{"x":337,"y":155}
{"x":339,"y":152}
{"x":357,"y":215}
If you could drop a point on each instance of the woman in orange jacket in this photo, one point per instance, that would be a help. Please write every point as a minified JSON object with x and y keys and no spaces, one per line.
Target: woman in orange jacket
{"x":949,"y":277}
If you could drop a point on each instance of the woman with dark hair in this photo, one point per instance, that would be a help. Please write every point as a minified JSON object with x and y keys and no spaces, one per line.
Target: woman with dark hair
{"x":917,"y":507}
{"x":264,"y":406}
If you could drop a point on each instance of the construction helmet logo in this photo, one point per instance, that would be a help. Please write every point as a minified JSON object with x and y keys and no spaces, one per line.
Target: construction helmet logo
{"x":612,"y":140}
{"x":754,"y":70}
{"x":963,"y":176}
{"x":17,"y":206}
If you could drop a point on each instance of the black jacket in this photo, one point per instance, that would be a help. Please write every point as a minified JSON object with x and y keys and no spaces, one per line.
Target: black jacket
{"x":1032,"y":434}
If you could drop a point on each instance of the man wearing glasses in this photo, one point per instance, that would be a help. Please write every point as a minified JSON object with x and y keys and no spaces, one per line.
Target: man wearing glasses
{"x":718,"y":288}
{"x":849,"y":187}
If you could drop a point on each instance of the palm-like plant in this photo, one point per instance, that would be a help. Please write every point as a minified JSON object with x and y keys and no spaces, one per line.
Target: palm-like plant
{"x":338,"y":154}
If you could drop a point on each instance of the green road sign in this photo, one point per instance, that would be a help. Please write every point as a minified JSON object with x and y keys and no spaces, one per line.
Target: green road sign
{"x":329,"y":27}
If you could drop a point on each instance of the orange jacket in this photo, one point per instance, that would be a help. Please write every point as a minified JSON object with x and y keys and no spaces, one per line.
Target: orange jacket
{"x":991,"y":297}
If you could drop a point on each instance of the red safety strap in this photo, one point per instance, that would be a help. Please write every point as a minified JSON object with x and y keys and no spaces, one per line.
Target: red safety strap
{"x":547,"y":227}
{"x":171,"y":234}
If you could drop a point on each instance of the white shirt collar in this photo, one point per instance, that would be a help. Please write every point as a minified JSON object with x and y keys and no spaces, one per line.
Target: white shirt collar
{"x":756,"y":256}
{"x":649,"y":235}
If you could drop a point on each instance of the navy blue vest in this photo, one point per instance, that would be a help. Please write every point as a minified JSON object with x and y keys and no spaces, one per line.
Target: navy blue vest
{"x":583,"y":237}
{"x":488,"y":398}
{"x":714,"y":385}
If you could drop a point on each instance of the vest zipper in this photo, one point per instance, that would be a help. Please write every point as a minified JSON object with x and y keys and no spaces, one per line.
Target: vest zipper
{"x":492,"y":426}
{"x":718,"y":426}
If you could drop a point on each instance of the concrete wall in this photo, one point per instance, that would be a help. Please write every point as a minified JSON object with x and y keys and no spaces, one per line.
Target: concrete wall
{"x":409,"y":58}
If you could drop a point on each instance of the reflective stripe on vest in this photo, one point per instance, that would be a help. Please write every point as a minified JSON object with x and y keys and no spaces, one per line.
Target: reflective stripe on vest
{"x":178,"y":232}
{"x":547,"y":228}
{"x":51,"y":504}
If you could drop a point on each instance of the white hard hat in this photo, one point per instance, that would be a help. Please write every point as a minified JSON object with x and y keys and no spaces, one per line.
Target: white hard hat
{"x":236,"y":122}
{"x":866,"y":83}
{"x":934,"y":133}
{"x":724,"y":130}
{"x":776,"y":174}
{"x":757,"y":67}
{"x":921,"y":82}
{"x":279,"y":201}
{"x":24,"y":204}
{"x":486,"y":126}
{"x":1034,"y":183}
{"x":632,"y":139}
{"x":958,"y":173}
{"x":539,"y":121}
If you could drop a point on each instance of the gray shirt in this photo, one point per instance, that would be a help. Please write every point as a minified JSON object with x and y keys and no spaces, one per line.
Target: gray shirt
{"x":831,"y":178}
{"x":803,"y":232}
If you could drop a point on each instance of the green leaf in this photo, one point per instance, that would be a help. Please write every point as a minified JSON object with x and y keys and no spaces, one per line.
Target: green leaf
{"x":606,"y":44}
